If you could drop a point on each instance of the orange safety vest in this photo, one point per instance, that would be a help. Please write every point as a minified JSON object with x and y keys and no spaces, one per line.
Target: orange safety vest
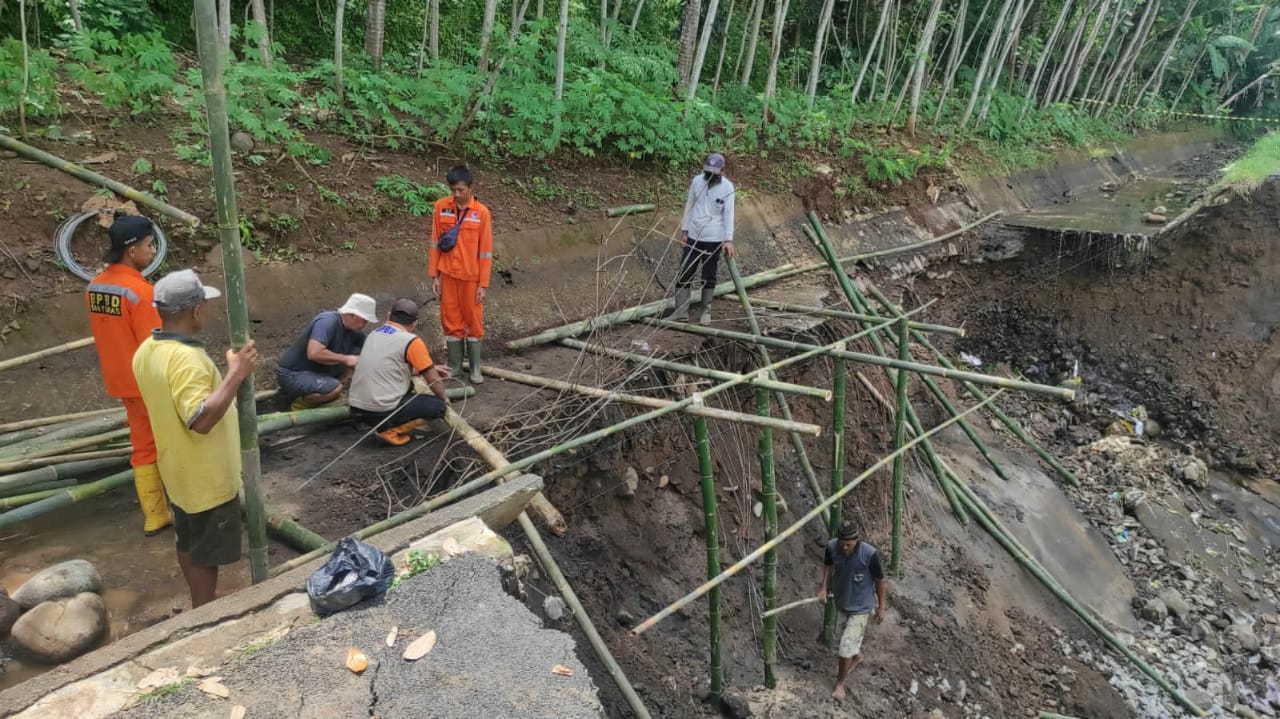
{"x":472,"y":258}
{"x":121,"y":316}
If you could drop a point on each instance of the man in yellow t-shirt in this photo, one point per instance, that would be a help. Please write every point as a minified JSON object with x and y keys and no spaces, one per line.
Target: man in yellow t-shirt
{"x":198,"y":445}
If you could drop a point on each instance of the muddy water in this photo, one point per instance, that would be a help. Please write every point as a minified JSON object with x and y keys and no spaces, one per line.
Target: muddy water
{"x":1118,"y":213}
{"x":142,"y":583}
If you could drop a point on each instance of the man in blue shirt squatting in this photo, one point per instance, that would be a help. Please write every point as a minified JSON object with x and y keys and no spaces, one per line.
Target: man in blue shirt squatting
{"x":854,"y":580}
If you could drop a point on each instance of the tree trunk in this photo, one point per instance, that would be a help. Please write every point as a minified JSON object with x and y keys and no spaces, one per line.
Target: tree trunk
{"x":1263,"y":10}
{"x":1186,"y":81}
{"x":1019,"y":16}
{"x":885,"y":10}
{"x":562,"y":32}
{"x":433,"y":42}
{"x":1122,"y":62}
{"x":753,"y":34}
{"x":819,"y":39}
{"x":1072,"y":73}
{"x":889,"y":56}
{"x":993,"y":41}
{"x":953,"y":64}
{"x":1059,"y":76}
{"x":1157,"y":78}
{"x":724,"y":45}
{"x":486,"y":34}
{"x":264,"y":40}
{"x":1126,"y":75}
{"x":339,"y":85}
{"x":688,"y":40}
{"x":922,"y":55}
{"x":224,"y":26}
{"x":426,"y":29}
{"x":1106,"y":46}
{"x":613,"y":23}
{"x":696,"y":72}
{"x":26,"y":69}
{"x":775,"y":51}
{"x":76,"y":22}
{"x":635,"y":16}
{"x":481,"y":96}
{"x":1045,"y":53}
{"x":375,"y":24}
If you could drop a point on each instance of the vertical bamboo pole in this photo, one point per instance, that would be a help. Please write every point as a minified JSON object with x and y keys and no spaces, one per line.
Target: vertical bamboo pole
{"x":769,"y":498}
{"x":713,"y":549}
{"x":797,"y":443}
{"x":211,"y":61}
{"x":899,"y":462}
{"x":837,"y":479}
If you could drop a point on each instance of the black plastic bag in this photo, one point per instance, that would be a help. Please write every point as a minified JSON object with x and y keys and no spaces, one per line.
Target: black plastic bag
{"x":354,"y":572}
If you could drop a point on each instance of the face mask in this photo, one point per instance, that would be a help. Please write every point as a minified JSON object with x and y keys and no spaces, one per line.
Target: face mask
{"x":711,"y":178}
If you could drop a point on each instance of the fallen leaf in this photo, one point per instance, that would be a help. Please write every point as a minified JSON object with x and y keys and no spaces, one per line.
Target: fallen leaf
{"x":421,"y":646}
{"x":158,"y":678}
{"x":562,"y":670}
{"x":198,"y":672}
{"x":99,"y":159}
{"x":663,"y":481}
{"x":237,"y":712}
{"x":392,"y":636}
{"x":356,"y":660}
{"x":213,"y":687}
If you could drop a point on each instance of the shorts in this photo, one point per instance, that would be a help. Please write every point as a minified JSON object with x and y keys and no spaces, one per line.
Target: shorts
{"x":211,"y":537}
{"x":855,"y":628}
{"x":300,"y":383}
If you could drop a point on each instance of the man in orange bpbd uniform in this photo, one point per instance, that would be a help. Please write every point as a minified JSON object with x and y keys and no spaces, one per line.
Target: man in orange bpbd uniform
{"x":121,"y":316}
{"x":459,"y":263}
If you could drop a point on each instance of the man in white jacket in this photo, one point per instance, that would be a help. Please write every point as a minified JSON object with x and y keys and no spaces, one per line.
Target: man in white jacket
{"x":705,"y":230}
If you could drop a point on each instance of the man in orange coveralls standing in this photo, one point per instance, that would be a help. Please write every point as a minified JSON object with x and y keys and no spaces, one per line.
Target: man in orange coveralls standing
{"x":122,"y":315}
{"x":459,"y":263}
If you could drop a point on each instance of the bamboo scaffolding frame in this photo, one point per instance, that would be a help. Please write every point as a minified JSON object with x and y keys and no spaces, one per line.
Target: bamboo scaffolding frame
{"x":919,"y":368}
{"x":48,"y":352}
{"x":64,"y":470}
{"x":645,"y":360}
{"x":25,"y":424}
{"x":842,"y":315}
{"x":795,"y":527}
{"x":793,"y":605}
{"x":834,"y":516}
{"x":94,"y":178}
{"x":769,"y":512}
{"x":899,"y":462}
{"x":698,"y":410}
{"x":712,"y":533}
{"x":797,"y":443}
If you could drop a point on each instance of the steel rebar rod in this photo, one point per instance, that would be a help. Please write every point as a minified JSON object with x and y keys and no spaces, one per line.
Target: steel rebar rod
{"x":935,"y":370}
{"x":812,"y":514}
{"x":712,"y":532}
{"x":697,"y":410}
{"x":842,"y":315}
{"x":753,"y":378}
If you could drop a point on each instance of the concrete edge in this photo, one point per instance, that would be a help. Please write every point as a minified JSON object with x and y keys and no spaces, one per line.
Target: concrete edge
{"x":497,"y":507}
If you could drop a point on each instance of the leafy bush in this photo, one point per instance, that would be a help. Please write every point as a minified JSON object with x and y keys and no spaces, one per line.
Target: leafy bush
{"x":130,"y":71}
{"x":418,"y":199}
{"x":42,"y":84}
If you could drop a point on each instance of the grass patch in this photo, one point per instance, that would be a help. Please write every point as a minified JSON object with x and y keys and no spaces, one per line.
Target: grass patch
{"x":418,"y":563}
{"x":1260,"y":162}
{"x":166,"y":690}
{"x":257,"y":646}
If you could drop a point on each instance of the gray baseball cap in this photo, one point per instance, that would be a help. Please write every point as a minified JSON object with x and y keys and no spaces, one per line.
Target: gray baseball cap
{"x":182,"y":290}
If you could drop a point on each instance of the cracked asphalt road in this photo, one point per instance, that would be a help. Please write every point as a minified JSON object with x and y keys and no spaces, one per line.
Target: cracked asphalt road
{"x":492,"y":658}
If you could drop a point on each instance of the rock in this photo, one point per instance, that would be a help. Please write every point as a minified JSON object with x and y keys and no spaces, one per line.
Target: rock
{"x":62,"y":629}
{"x":630,"y":482}
{"x":625,"y":618}
{"x":1155,"y":611}
{"x":1242,"y":637}
{"x":936,"y":714}
{"x":1161,"y":210}
{"x":1201,"y":630}
{"x":242,"y":142}
{"x":735,"y":704}
{"x":1244,"y":711}
{"x":9,"y":612}
{"x":553,"y":607}
{"x":1152,"y":218}
{"x":65,"y":579}
{"x":32,"y":264}
{"x":1174,"y":602}
{"x":1193,"y":471}
{"x":1200,"y":699}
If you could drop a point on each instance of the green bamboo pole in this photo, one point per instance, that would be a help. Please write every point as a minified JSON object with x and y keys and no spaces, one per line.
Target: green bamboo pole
{"x":769,"y":498}
{"x":25,"y":424}
{"x":34,"y":462}
{"x":842,"y":315}
{"x":797,"y":443}
{"x":472,"y":485}
{"x":834,"y":518}
{"x":54,"y":436}
{"x":788,"y":607}
{"x":215,"y":101}
{"x":1002,"y":536}
{"x":755,"y":378}
{"x":790,"y":531}
{"x":778,"y":273}
{"x":65,"y":497}
{"x":696,"y":410}
{"x":975,"y":377}
{"x":35,"y":495}
{"x":14,"y":461}
{"x":1011,"y":424}
{"x":37,"y":487}
{"x":23,"y":480}
{"x":899,"y":463}
{"x":632,"y":314}
{"x":293,"y":534}
{"x":94,"y":178}
{"x":625,"y":210}
{"x":712,"y":533}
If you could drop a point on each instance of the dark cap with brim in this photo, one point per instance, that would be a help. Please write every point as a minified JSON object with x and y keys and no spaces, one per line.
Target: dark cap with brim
{"x":404,"y":310}
{"x":126,"y":231}
{"x":847,"y":531}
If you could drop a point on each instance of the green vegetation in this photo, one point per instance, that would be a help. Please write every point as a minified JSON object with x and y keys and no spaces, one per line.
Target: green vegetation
{"x":165,"y":690}
{"x":418,"y":199}
{"x":417,"y":564}
{"x":257,"y":646}
{"x":1260,"y":162}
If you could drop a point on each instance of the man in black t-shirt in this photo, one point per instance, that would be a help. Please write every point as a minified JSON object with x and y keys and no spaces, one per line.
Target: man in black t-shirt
{"x":311,"y":370}
{"x":854,"y":580}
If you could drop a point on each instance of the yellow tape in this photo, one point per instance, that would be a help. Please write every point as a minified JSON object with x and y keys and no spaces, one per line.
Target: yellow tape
{"x":1182,"y":114}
